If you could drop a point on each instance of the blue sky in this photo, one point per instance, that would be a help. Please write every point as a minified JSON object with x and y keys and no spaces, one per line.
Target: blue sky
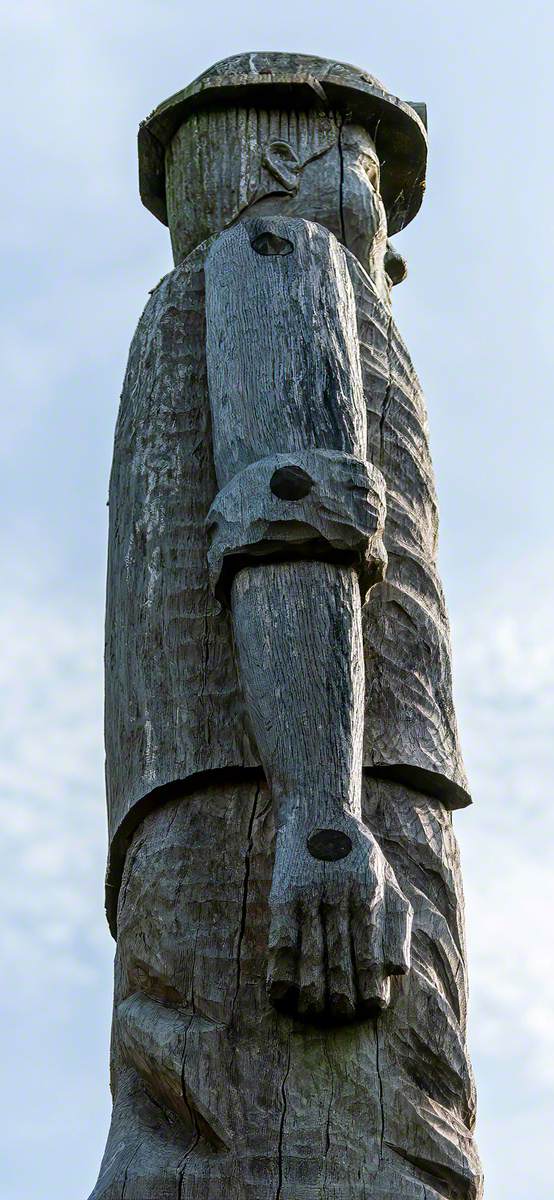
{"x":80,"y":254}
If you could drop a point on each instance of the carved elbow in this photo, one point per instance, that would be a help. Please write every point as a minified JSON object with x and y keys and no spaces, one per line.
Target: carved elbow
{"x":318,"y":504}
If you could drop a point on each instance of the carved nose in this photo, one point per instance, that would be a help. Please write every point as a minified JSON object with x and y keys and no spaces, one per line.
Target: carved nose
{"x":269,"y":243}
{"x":291,"y":483}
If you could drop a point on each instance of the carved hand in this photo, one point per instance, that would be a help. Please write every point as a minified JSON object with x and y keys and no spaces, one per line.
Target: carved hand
{"x":338,"y":929}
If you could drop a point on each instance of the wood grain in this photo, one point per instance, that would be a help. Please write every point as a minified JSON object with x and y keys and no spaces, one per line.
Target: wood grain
{"x":284,"y":376}
{"x":290,"y":982}
{"x":368,"y":1111}
{"x":174,"y":709}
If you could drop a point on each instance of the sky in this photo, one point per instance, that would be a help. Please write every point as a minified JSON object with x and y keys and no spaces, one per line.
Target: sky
{"x":79,"y":257}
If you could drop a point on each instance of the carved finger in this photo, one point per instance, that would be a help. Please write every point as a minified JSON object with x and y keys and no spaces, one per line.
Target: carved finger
{"x":398,"y":932}
{"x":341,"y":987}
{"x":373,"y":986}
{"x":283,"y":956}
{"x":311,"y":997}
{"x":367,"y":935}
{"x":373,"y":990}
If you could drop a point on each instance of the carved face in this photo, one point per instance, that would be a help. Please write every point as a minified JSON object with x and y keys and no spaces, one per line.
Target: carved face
{"x":225,"y":164}
{"x":338,"y":188}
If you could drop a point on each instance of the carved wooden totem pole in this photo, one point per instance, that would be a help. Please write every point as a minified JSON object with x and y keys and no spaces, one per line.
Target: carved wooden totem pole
{"x":282,"y":752}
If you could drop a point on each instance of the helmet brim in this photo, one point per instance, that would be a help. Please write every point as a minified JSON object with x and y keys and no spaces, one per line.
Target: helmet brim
{"x":271,"y":80}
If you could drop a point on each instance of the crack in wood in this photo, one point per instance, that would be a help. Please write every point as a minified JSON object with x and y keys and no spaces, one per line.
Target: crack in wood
{"x":125,"y":1177}
{"x":282,"y":373}
{"x":341,"y":181}
{"x":329,"y":1109}
{"x":282,"y":1123}
{"x":388,"y":394}
{"x":242,"y":927}
{"x":381,"y":1102}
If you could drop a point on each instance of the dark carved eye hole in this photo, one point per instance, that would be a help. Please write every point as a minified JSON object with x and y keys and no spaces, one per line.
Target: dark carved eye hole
{"x":270,"y":243}
{"x":291,"y":483}
{"x":329,"y":845}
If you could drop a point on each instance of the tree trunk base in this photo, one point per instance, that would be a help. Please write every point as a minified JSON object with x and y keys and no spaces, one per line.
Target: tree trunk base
{"x":216,"y":1095}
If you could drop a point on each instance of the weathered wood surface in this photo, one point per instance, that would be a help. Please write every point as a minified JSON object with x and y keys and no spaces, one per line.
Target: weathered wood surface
{"x":239,"y":1101}
{"x":281,"y":344}
{"x":305,"y":504}
{"x":290,"y":993}
{"x":249,"y":90}
{"x":228,"y":143}
{"x":226,"y":163}
{"x":284,"y":378}
{"x":284,"y":375}
{"x":173,"y":703}
{"x":339,"y":929}
{"x":411,"y":729}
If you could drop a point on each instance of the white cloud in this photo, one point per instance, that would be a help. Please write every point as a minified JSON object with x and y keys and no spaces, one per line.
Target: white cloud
{"x":52,"y":794}
{"x":505,"y":690}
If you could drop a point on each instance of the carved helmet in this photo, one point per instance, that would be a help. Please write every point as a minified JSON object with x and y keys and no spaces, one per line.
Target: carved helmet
{"x":298,"y":81}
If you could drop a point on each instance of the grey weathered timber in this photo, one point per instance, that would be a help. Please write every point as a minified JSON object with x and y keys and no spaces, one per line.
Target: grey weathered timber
{"x":281,"y":746}
{"x":378,"y":1108}
{"x":169,"y":646}
{"x":339,"y":923}
{"x":282,"y":379}
{"x":287,"y":394}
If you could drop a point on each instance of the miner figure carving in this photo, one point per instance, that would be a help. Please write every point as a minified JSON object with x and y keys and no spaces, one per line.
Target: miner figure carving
{"x":282,"y":756}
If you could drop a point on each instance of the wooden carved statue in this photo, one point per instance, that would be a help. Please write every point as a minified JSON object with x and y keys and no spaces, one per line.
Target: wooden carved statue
{"x":282,"y":751}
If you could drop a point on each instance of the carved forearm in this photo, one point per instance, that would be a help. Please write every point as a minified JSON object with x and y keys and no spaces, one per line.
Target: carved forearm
{"x":298,"y":635}
{"x":340,"y":925}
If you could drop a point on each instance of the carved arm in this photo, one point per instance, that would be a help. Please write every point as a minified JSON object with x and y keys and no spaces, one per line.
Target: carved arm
{"x":295,"y":542}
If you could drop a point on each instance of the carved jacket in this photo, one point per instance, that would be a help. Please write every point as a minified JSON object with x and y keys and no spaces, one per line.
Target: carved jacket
{"x":174,"y":710}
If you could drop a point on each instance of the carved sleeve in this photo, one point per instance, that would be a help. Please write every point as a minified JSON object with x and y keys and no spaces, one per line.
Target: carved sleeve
{"x":288,"y":411}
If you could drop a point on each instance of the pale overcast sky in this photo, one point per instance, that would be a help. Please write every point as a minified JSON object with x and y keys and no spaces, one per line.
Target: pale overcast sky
{"x":80,"y":254}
